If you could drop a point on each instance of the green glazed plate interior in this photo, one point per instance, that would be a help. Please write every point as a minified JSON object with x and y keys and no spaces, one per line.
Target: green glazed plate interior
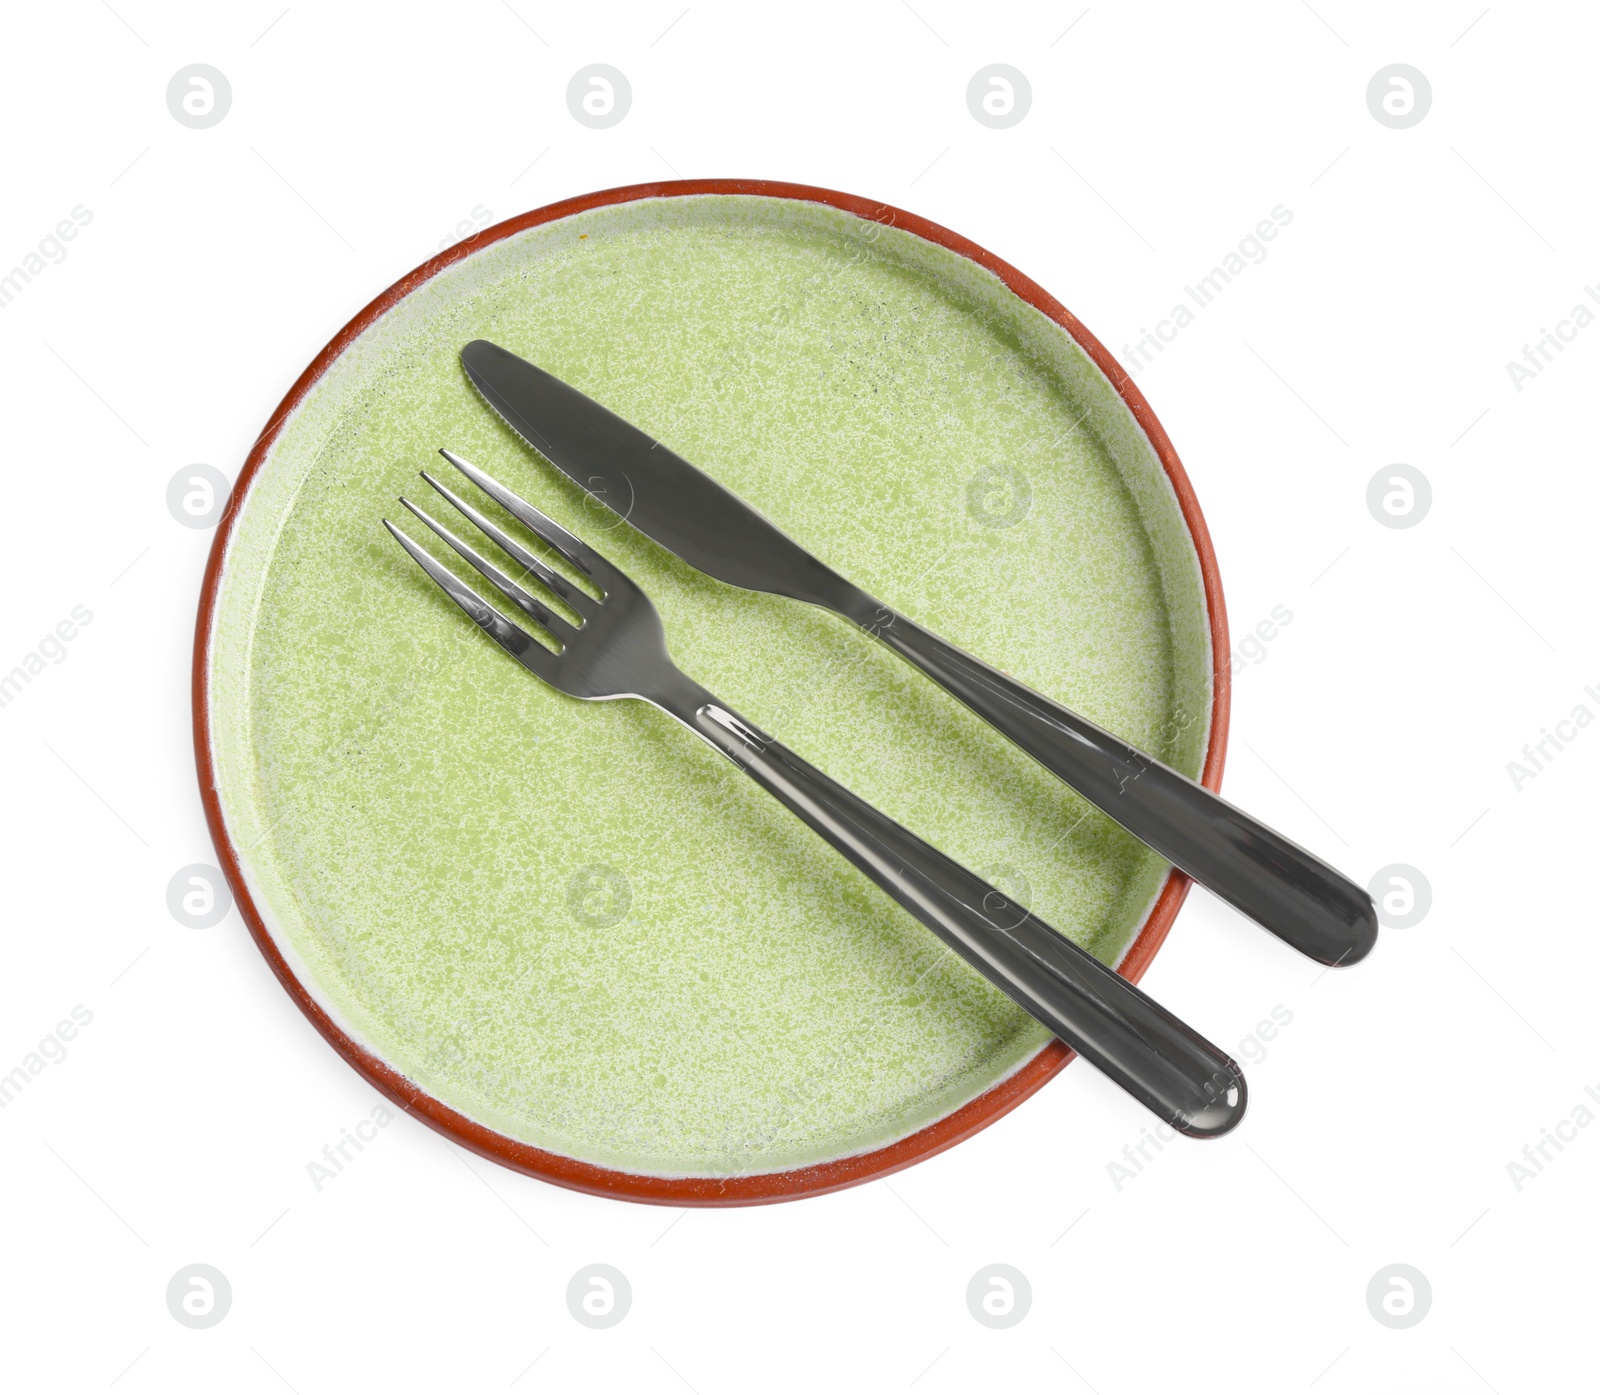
{"x":574,"y":923}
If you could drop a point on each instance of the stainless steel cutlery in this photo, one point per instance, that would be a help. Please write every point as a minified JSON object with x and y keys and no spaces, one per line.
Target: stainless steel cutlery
{"x":617,"y":649}
{"x":1275,"y":882}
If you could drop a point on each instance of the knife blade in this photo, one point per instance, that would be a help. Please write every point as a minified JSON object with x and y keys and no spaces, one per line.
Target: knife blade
{"x":638,"y":478}
{"x":1277,"y":883}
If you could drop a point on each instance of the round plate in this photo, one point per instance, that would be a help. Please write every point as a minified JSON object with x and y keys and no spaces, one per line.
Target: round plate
{"x":569,"y":936}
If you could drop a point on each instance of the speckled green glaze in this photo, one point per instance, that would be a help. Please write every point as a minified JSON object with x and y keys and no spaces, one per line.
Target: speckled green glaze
{"x":415,"y":813}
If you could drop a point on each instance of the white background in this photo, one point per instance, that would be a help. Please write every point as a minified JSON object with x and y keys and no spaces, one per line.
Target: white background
{"x":1376,"y":730}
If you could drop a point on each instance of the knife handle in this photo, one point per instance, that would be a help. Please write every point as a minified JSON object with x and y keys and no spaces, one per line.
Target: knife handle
{"x":1278,"y":884}
{"x":1158,"y":1059}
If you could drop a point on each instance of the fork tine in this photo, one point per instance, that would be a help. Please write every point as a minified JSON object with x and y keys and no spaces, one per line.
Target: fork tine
{"x":579,"y":553}
{"x":528,"y":604}
{"x":575,"y":596}
{"x":509,"y":636}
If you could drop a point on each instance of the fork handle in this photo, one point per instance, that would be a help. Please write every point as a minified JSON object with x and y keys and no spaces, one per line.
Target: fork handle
{"x":1159,"y":1060}
{"x":1278,"y":884}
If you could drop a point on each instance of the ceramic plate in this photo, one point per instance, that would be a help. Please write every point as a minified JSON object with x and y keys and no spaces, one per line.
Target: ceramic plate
{"x":569,"y":935}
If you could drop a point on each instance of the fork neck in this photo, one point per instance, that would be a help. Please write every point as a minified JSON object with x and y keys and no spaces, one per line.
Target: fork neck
{"x":707,"y":717}
{"x":673,"y":691}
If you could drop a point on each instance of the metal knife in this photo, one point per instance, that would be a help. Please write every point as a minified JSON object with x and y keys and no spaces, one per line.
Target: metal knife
{"x":1278,"y":884}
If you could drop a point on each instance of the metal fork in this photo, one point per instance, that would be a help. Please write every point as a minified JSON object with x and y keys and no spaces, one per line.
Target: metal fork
{"x":619,"y":650}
